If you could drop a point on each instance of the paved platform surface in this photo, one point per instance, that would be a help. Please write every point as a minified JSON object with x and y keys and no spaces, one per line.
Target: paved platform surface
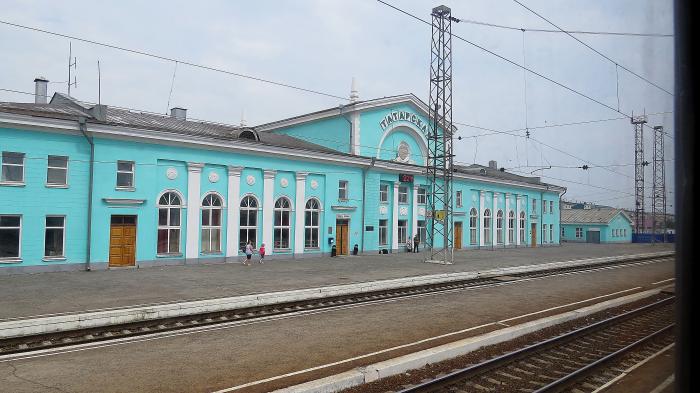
{"x":655,"y":376}
{"x":65,"y":292}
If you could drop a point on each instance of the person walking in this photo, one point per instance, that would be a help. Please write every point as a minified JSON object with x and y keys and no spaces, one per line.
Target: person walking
{"x":262,"y":253}
{"x":416,"y":242}
{"x":248,"y":253}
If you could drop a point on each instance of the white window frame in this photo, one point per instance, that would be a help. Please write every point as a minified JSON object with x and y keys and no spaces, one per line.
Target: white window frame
{"x":499,"y":227}
{"x":18,"y":258}
{"x":544,"y":233}
{"x":422,"y":230}
{"x":551,"y":233}
{"x":279,"y":230}
{"x":384,"y":193}
{"x":511,"y":227}
{"x":246,"y":209}
{"x":312,"y":207}
{"x":383,"y":229}
{"x":132,"y":172}
{"x":551,"y":207}
{"x":522,"y":226}
{"x":544,"y":207}
{"x":63,"y":237}
{"x":473,"y":226}
{"x":421,"y":196}
{"x":579,"y":233}
{"x":343,"y":190}
{"x":3,"y":164}
{"x":208,"y":210}
{"x":458,"y":198}
{"x":534,"y":206}
{"x":168,"y":227}
{"x":402,"y":232}
{"x":49,"y":168}
{"x":403,"y":195}
{"x":487,"y":228}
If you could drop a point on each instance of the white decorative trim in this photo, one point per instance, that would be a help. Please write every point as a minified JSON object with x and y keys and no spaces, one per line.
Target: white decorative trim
{"x":123,"y":201}
{"x":171,"y":173}
{"x":414,"y":213}
{"x":268,"y":208}
{"x":421,"y":211}
{"x":250,"y":179}
{"x":213,"y":177}
{"x":395,"y":219}
{"x":284,"y":182}
{"x":382,"y":209}
{"x":234,"y":211}
{"x":194,"y":179}
{"x":419,"y":137}
{"x":403,"y":210}
{"x":299,"y":230}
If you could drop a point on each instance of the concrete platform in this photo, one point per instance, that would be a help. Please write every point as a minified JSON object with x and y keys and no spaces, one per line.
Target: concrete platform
{"x":31,"y":295}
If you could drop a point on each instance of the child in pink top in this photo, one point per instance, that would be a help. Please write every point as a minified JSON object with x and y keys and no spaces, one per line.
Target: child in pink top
{"x":262,"y":253}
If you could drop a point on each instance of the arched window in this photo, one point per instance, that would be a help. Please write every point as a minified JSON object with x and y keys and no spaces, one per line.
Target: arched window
{"x":283,"y":211}
{"x":311,"y":225}
{"x":499,"y":227}
{"x":511,"y":226}
{"x":248,"y":229}
{"x":473,"y":222}
{"x":522,"y":227}
{"x":211,"y":223}
{"x":487,"y":227}
{"x":169,"y":211}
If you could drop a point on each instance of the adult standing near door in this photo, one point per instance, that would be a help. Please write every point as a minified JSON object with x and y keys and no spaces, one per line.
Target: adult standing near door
{"x":416,"y":242}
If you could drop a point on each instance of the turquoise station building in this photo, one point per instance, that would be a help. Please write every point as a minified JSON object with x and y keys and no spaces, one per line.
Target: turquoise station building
{"x":93,"y":186}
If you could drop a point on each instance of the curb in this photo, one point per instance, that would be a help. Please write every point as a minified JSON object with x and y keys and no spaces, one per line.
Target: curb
{"x":51,"y":324}
{"x":373,"y":372}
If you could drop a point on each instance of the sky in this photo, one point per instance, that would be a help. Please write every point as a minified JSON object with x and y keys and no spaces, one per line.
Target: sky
{"x":321,"y":44}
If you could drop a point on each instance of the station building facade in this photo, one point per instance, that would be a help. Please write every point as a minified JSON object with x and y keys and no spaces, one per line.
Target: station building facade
{"x":585,"y":223}
{"x":92,"y":186}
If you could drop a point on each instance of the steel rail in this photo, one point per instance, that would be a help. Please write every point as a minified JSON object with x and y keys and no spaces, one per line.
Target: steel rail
{"x":438,"y":384}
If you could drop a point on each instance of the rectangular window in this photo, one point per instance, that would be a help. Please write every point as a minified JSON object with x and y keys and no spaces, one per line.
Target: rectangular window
{"x":579,"y":233}
{"x":551,"y":233}
{"x":421,"y":196}
{"x":422,"y":232}
{"x":383,"y":240}
{"x":57,"y":171}
{"x":10,"y":237}
{"x":562,"y":231}
{"x":544,"y":233}
{"x":12,"y":167}
{"x":403,"y":194}
{"x":125,"y":174}
{"x":551,"y":207}
{"x":54,"y":237}
{"x":458,"y":198}
{"x":383,"y":193}
{"x":534,"y":206}
{"x":343,"y":190}
{"x":544,"y":206}
{"x":402,"y":232}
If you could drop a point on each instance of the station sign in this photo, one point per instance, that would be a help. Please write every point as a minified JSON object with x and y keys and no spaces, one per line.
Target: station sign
{"x":405,"y":178}
{"x":440,"y":215}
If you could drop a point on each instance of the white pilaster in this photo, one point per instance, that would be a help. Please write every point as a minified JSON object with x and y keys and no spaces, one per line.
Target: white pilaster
{"x":505,"y":222}
{"x":355,"y":133}
{"x":234,"y":213}
{"x":300,"y":205}
{"x":518,"y":208}
{"x":268,"y":209}
{"x":194,"y":179}
{"x":414,"y":213}
{"x":480,"y":226}
{"x":395,"y":219}
{"x":494,"y":219}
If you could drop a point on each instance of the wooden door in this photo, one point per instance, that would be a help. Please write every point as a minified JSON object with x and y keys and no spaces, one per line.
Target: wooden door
{"x":341,"y":237}
{"x":122,"y":241}
{"x":458,"y":235}
{"x":533,"y":231}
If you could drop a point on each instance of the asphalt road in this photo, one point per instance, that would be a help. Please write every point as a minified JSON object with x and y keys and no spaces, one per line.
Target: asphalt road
{"x":228,"y":357}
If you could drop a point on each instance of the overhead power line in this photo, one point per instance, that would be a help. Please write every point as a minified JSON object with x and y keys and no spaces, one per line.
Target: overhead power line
{"x":593,"y":49}
{"x":616,"y":33}
{"x":555,"y":82}
{"x":170,"y":59}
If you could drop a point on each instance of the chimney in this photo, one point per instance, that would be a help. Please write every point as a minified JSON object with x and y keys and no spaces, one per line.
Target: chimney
{"x":493,"y":164}
{"x":587,"y":206}
{"x":178,"y":113}
{"x":40,"y":90}
{"x":244,"y":122}
{"x":354,"y":94}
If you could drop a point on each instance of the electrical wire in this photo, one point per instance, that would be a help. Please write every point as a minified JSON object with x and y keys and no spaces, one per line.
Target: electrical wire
{"x":616,"y":33}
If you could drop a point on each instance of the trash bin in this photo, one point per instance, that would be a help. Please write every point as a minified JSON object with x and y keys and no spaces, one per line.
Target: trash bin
{"x":355,"y":249}
{"x":334,"y":252}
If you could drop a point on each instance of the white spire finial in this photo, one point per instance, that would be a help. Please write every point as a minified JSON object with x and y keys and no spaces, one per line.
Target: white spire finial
{"x":354,"y":94}
{"x":243,"y":120}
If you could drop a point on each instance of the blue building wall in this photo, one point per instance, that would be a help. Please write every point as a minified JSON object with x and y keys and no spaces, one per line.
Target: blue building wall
{"x":618,"y":230}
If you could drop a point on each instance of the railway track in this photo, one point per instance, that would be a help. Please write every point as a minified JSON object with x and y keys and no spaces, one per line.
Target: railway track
{"x":579,"y":361}
{"x":113,"y":332}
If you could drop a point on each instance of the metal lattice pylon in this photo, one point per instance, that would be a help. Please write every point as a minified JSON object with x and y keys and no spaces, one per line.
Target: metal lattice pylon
{"x":638,"y":122}
{"x":658,"y":191}
{"x":439,"y":165}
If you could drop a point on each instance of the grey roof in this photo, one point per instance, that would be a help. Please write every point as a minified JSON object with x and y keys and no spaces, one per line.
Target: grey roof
{"x":600,"y":215}
{"x":476,"y":169}
{"x":65,"y":107}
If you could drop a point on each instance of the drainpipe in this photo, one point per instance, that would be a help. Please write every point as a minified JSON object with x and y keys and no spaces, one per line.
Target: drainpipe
{"x":364,"y":180}
{"x":83,"y":128}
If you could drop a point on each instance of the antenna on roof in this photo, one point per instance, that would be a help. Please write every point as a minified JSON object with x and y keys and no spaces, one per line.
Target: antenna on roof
{"x":72,"y":64}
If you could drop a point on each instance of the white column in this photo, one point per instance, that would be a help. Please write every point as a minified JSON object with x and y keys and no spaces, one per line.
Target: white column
{"x":355,"y":133}
{"x":268,"y":208}
{"x":506,"y":218}
{"x":194,"y":179}
{"x":233,"y":213}
{"x":395,"y":219}
{"x":494,"y":218}
{"x":299,"y":215}
{"x":518,"y":207}
{"x":414,"y":214}
{"x":480,"y":224}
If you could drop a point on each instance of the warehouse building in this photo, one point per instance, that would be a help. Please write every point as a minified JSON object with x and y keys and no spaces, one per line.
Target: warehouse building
{"x":586,"y":223}
{"x":93,"y":186}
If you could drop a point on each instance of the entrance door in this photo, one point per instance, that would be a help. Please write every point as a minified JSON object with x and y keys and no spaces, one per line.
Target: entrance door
{"x":342,"y":237}
{"x":533,"y":231}
{"x":592,"y":237}
{"x":122,"y":241}
{"x":458,"y":235}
